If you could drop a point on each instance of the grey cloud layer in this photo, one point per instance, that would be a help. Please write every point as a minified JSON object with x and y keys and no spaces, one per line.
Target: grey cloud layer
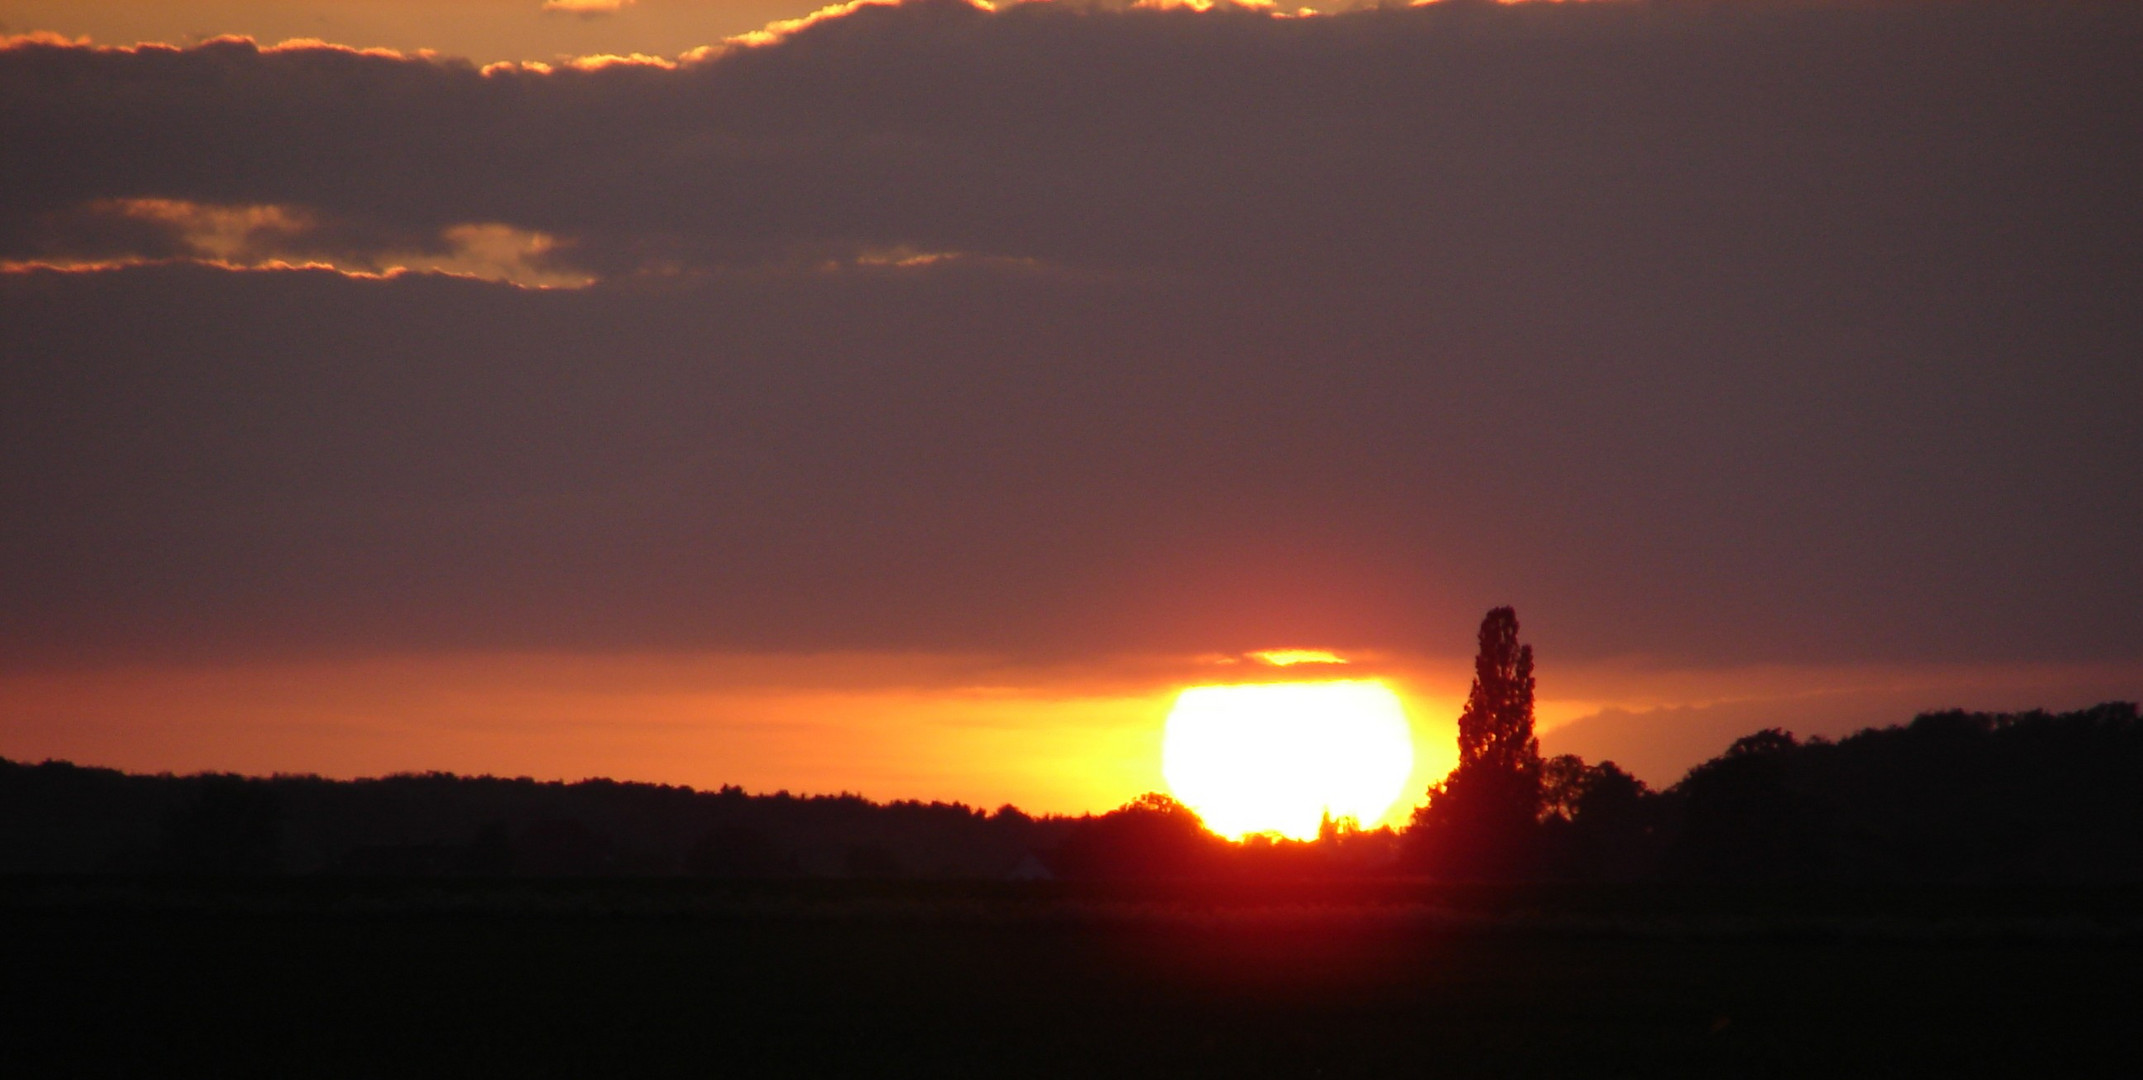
{"x":1713,"y":331}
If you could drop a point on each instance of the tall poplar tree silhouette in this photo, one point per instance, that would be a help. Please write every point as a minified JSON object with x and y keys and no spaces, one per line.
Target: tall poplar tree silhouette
{"x":1482,"y":820}
{"x":1495,"y":733}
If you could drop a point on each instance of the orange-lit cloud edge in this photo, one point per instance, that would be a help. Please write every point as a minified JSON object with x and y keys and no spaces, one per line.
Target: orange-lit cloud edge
{"x":500,"y":253}
{"x":271,"y":237}
{"x":772,"y":33}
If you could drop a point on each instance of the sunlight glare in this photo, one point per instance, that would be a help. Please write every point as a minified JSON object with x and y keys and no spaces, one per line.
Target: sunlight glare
{"x":1276,"y":757}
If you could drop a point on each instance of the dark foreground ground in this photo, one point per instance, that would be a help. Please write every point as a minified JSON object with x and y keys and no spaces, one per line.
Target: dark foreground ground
{"x":143,"y":978}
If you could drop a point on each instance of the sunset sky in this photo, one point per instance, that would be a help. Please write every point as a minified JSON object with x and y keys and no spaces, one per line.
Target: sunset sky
{"x":910,"y":399}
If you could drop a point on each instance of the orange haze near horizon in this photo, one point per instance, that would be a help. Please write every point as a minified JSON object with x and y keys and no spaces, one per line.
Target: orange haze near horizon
{"x":1062,"y":739}
{"x":880,"y":726}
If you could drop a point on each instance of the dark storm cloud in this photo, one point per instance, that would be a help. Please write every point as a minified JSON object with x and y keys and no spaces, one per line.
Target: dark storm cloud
{"x":1708,"y":331}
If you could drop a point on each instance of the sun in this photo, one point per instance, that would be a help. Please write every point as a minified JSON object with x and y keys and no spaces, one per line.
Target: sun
{"x":1278,"y":757}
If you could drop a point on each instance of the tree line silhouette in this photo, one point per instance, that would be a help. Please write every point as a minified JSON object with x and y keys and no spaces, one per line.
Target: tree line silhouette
{"x":1951,"y":796}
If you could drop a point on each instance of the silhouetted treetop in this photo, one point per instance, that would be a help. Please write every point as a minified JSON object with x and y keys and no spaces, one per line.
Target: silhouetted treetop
{"x":1152,"y":836}
{"x":1480,"y":820}
{"x":57,"y":818}
{"x":1495,"y":732}
{"x":1572,"y":790}
{"x":1951,"y":796}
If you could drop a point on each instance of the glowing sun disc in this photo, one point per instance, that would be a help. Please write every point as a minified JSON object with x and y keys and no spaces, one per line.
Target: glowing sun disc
{"x":1277,"y":757}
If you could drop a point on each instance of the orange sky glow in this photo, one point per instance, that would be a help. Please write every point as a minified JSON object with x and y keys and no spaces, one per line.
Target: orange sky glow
{"x":884,"y":726}
{"x":887,"y":726}
{"x":631,"y":401}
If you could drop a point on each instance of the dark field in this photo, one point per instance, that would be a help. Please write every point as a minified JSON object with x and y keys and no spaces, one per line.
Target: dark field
{"x":672,"y":978}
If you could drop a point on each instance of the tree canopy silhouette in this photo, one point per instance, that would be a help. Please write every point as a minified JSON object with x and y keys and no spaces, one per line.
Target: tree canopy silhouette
{"x":1482,"y":820}
{"x":1152,"y":836}
{"x":1952,"y":796}
{"x":1495,"y":733}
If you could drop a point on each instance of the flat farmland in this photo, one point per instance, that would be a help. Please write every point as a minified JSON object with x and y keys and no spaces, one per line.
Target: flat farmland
{"x":622,"y":978}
